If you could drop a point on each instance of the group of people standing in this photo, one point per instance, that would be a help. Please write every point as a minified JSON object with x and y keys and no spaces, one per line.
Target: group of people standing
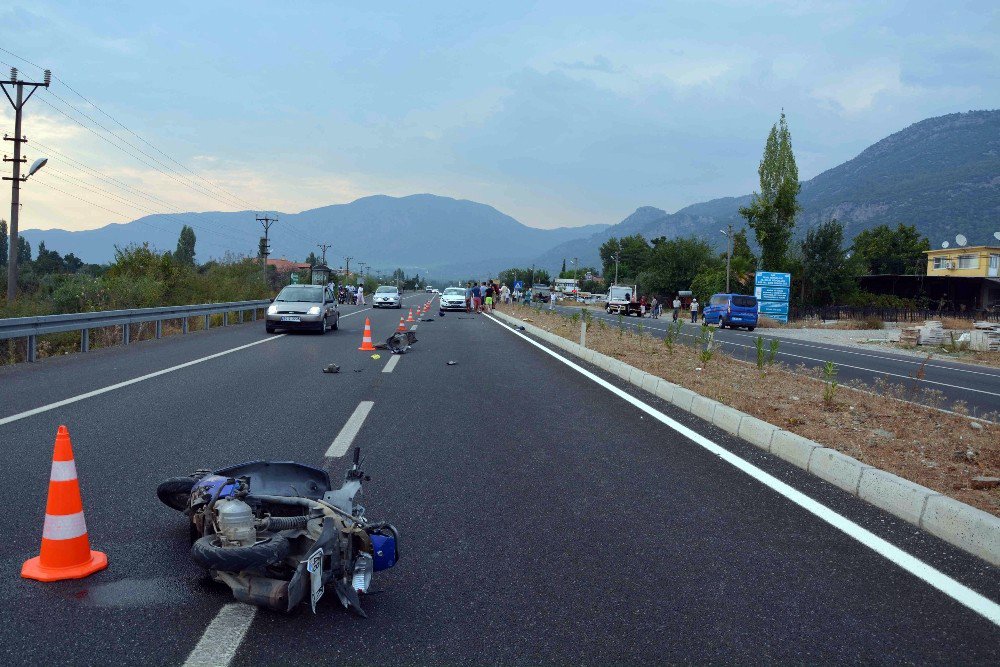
{"x":483,"y":297}
{"x":654,"y":307}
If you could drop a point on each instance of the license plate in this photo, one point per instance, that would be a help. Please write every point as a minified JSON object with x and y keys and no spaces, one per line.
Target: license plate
{"x":289,"y":318}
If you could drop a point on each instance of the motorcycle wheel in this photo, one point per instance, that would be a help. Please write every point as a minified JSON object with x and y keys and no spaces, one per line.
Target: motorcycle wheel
{"x":174,"y":492}
{"x":207,"y":553}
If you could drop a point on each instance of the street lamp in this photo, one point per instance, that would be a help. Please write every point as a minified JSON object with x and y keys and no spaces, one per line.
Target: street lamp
{"x":729,"y":238}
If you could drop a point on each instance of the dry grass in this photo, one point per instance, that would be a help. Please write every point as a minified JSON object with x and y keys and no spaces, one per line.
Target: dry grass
{"x":939,"y":450}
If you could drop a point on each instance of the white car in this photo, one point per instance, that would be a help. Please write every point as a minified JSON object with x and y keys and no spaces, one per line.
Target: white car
{"x":387,"y":296}
{"x":453,"y":298}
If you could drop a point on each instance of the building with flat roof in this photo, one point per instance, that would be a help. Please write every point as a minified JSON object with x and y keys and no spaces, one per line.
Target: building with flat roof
{"x":966,"y":262}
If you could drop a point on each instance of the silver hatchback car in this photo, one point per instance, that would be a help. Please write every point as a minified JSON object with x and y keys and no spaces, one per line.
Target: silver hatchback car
{"x":387,"y":296}
{"x":309,"y":307}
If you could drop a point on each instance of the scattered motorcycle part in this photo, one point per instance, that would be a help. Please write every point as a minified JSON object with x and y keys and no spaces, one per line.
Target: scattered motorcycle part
{"x":236,"y":522}
{"x":211,"y":554}
{"x":362,"y":573}
{"x":174,"y":492}
{"x":331,"y":368}
{"x":376,"y":356}
{"x":452,"y":363}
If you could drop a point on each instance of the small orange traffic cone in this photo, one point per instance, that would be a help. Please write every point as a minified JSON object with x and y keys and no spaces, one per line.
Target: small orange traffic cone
{"x":65,"y":552}
{"x":409,"y":316}
{"x":402,"y":325}
{"x":366,"y":342}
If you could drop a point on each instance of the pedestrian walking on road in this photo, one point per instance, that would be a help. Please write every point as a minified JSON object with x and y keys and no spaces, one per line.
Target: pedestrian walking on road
{"x":677,"y":307}
{"x":505,"y":294}
{"x":654,"y":309}
{"x":361,"y":295}
{"x":552,"y":300}
{"x":642,"y":306}
{"x":694,"y":310}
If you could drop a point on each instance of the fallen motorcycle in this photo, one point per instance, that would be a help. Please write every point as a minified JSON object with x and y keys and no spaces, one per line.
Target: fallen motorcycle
{"x":278,"y":534}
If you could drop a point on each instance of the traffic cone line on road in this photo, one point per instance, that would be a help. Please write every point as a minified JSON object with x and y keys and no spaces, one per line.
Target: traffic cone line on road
{"x":65,"y":552}
{"x":366,"y":341}
{"x":402,"y":325}
{"x":409,"y":315}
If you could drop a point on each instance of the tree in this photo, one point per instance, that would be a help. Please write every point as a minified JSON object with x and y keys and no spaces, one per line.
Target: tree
{"x":312,"y":260}
{"x":826,"y":273}
{"x":563,"y":269}
{"x":23,"y":251}
{"x":884,"y":250}
{"x":4,"y":243}
{"x":185,"y":247}
{"x":578,"y":273}
{"x":633,"y":253}
{"x":48,"y":261}
{"x":771,"y":213}
{"x":675,"y":263}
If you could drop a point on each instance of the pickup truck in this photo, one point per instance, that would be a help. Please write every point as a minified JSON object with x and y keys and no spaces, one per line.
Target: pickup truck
{"x":622,"y":300}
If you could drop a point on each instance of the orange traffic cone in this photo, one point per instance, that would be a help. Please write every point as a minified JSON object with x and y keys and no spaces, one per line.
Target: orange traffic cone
{"x":65,"y":550}
{"x":409,"y":316}
{"x":402,"y":326}
{"x":366,"y":342}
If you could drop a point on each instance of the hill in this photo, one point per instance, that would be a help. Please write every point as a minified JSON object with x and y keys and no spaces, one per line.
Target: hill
{"x":423,"y":232}
{"x":941,"y":174}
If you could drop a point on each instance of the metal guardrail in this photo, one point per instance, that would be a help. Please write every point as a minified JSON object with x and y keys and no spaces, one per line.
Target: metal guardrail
{"x":32,"y":327}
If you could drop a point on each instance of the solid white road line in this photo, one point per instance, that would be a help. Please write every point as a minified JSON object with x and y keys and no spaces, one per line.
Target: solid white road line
{"x":857,"y":368}
{"x":217,"y":646}
{"x":950,"y":587}
{"x":343,"y":441}
{"x":126,"y":383}
{"x":393,"y":360}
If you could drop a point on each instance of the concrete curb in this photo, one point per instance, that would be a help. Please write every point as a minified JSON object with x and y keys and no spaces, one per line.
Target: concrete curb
{"x":961,"y":525}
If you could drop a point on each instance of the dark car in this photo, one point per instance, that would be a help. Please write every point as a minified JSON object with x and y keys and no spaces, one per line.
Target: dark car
{"x":309,"y":307}
{"x":732,"y":310}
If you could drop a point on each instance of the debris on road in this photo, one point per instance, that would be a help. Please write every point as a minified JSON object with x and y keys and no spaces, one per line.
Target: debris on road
{"x":376,"y":357}
{"x":331,"y":368}
{"x":452,"y":363}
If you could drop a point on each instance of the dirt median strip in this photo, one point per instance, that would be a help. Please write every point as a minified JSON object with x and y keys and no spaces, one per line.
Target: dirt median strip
{"x":958,"y":523}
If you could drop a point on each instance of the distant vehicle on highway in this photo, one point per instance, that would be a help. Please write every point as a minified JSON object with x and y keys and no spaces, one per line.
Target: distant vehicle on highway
{"x":429,"y":289}
{"x":387,"y":296}
{"x":731,"y":310}
{"x":453,"y":298}
{"x":622,"y":299}
{"x":308,"y":307}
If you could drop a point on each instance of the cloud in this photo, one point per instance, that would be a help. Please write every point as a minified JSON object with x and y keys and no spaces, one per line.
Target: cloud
{"x":598,"y":64}
{"x":858,"y":90}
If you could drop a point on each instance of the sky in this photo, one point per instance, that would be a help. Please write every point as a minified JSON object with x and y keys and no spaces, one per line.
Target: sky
{"x":557,"y":113}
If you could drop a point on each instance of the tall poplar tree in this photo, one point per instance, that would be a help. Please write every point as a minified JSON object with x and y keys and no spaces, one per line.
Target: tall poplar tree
{"x":771,"y":213}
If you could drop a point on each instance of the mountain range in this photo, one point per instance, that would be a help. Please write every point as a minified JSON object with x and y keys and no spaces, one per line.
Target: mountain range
{"x":941,"y":174}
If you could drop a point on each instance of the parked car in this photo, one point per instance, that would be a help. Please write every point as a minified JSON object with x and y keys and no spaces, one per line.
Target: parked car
{"x":309,"y":307}
{"x":387,"y":296}
{"x":453,"y":298}
{"x":732,"y":310}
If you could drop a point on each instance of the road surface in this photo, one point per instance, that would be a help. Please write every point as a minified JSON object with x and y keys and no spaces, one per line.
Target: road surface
{"x":545,"y":518}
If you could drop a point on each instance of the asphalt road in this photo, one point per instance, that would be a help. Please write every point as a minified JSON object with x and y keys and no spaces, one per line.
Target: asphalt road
{"x":978,"y":386}
{"x":544,"y":518}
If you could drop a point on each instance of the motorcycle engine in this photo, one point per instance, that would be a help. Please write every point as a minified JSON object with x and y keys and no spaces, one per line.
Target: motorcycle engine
{"x":236,"y":522}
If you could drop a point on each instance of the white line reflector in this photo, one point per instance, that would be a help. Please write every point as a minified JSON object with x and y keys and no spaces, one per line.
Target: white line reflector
{"x":64,"y":526}
{"x":347,"y":434}
{"x":217,"y":646}
{"x":63,"y":471}
{"x":391,"y":364}
{"x":939,"y":580}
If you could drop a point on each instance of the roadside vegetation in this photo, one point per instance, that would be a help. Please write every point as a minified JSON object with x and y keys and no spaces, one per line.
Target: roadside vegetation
{"x":902,"y":428}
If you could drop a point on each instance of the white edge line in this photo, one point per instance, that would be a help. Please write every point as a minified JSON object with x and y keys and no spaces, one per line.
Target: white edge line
{"x":223,"y":636}
{"x":391,"y":364}
{"x":939,"y":580}
{"x":343,"y":441}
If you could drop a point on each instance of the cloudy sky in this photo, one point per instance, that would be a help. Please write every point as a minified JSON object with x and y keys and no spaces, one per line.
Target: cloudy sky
{"x":556,"y":113}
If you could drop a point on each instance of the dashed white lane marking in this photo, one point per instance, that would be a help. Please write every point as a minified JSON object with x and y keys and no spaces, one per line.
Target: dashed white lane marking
{"x":126,"y":383}
{"x":343,"y":441}
{"x":391,"y":364}
{"x":939,"y":580}
{"x":222,"y":637}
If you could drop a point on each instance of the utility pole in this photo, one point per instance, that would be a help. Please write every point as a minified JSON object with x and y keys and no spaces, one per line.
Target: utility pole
{"x":347,"y":266}
{"x":729,"y":252}
{"x":618,"y":256}
{"x":15,"y":185}
{"x":266,"y":222}
{"x":323,"y":247}
{"x":576,"y":269}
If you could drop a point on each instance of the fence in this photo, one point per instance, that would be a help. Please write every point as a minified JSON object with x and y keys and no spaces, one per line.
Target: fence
{"x":889,"y":314}
{"x":32,"y":327}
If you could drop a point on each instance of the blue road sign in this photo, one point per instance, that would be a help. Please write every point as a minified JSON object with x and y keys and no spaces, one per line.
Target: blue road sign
{"x":777,"y":318}
{"x":772,"y":279}
{"x":773,"y":308}
{"x":771,"y":293}
{"x":518,"y":284}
